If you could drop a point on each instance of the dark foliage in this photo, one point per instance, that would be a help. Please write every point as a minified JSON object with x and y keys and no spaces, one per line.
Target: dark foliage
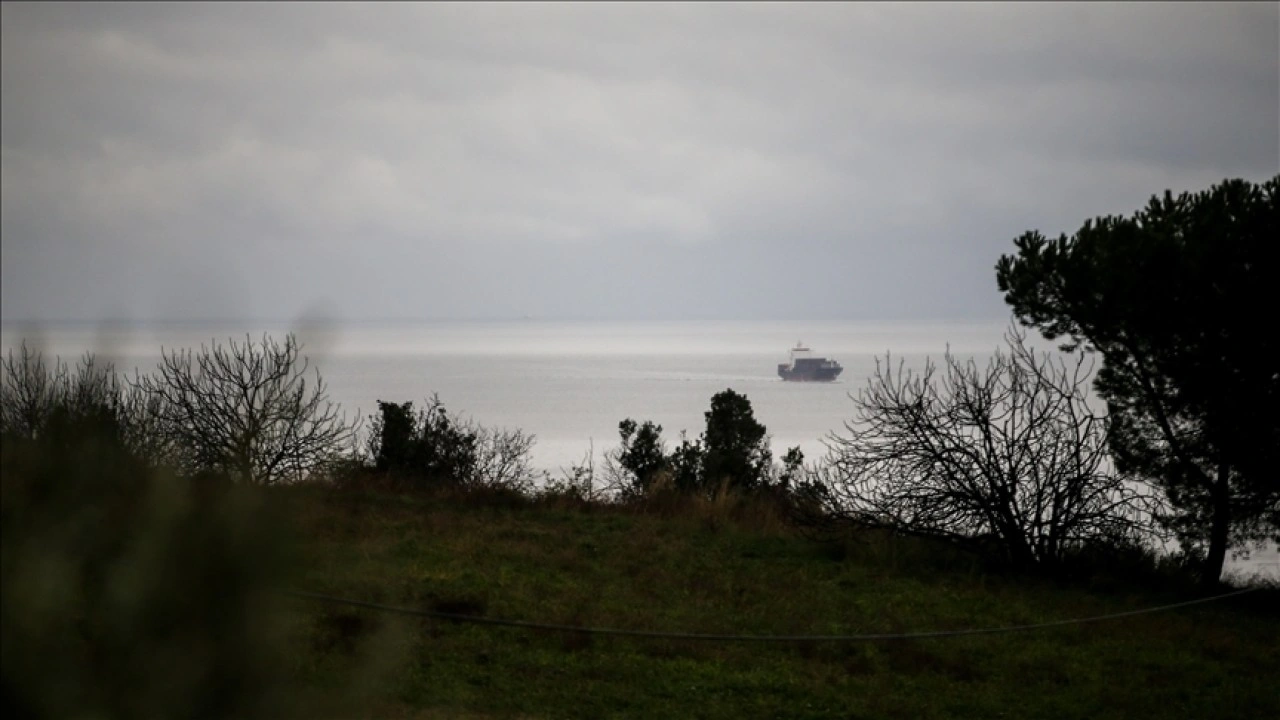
{"x":38,"y":397}
{"x":1170,"y":299}
{"x":735,"y":446}
{"x":128,"y":591}
{"x":732,"y":453}
{"x":427,"y":446}
{"x":431,"y":449}
{"x":686,"y":466}
{"x":641,"y":453}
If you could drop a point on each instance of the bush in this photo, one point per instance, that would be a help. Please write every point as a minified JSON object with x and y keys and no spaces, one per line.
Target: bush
{"x":642,"y":453}
{"x":731,"y":454}
{"x":34,"y":395}
{"x":30,"y":390}
{"x":426,"y":447}
{"x":430,"y":449}
{"x":576,"y":487}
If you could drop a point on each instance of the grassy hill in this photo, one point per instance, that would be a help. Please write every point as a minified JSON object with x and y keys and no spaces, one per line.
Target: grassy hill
{"x":731,"y":568}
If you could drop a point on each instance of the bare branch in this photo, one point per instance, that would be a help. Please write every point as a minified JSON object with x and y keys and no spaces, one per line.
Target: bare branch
{"x":1011,"y":453}
{"x":248,"y":410}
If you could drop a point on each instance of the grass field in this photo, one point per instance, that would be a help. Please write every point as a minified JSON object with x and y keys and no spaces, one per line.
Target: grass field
{"x":721,"y":568}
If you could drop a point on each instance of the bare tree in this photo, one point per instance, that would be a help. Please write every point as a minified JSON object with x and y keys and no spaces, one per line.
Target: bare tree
{"x":36,"y":395}
{"x":247,"y":410}
{"x":30,"y":389}
{"x":503,"y":459}
{"x":1011,"y":454}
{"x":144,"y":424}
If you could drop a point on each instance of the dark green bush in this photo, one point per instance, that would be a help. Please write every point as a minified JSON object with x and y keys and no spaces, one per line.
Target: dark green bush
{"x":732,"y":453}
{"x":430,"y":449}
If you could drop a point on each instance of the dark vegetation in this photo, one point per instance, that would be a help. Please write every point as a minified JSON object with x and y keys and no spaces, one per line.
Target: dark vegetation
{"x":1175,"y":300}
{"x":1009,"y":459}
{"x":245,"y":410}
{"x":151,"y":524}
{"x":431,"y":449}
{"x":129,"y":588}
{"x":731,"y":455}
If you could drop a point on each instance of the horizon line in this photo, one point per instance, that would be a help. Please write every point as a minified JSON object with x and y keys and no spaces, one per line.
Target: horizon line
{"x":302,"y":319}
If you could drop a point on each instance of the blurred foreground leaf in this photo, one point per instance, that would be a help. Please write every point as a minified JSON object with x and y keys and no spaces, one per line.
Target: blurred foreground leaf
{"x":131,"y":592}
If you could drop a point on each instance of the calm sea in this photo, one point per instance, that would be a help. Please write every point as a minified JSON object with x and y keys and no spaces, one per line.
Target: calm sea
{"x":570,"y":383}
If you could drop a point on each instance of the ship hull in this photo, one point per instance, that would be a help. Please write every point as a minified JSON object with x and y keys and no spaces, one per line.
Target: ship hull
{"x":815,"y":375}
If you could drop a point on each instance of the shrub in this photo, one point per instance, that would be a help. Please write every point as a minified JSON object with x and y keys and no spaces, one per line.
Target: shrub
{"x":431,"y":449}
{"x":731,"y":453}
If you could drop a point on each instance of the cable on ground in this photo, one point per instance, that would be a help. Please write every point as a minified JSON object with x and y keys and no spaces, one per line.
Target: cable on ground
{"x":481,"y":620}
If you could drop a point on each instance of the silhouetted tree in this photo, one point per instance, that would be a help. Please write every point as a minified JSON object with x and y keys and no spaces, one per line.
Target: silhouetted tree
{"x":1011,"y":453}
{"x":792,"y":468}
{"x":247,"y":410}
{"x":735,"y":446}
{"x":426,"y":447}
{"x":30,"y":390}
{"x":732,"y":452}
{"x":1170,"y":298}
{"x":686,"y":465}
{"x":392,"y":437}
{"x":641,"y":453}
{"x":38,"y":397}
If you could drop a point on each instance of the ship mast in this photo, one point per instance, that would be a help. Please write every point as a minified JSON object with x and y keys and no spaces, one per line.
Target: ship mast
{"x":798,"y":348}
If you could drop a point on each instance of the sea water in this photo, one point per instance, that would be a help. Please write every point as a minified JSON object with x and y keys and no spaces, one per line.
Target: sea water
{"x":569,"y":384}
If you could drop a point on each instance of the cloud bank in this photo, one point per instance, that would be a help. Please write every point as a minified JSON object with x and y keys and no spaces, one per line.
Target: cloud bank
{"x":752,"y":161}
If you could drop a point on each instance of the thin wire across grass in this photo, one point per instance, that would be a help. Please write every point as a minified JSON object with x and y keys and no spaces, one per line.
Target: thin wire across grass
{"x":715,"y":637}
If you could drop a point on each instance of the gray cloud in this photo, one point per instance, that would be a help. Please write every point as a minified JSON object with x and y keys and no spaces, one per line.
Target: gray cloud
{"x":612,"y":160}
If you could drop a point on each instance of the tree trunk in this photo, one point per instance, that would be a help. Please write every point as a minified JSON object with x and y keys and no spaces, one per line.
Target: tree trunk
{"x":1219,"y":529}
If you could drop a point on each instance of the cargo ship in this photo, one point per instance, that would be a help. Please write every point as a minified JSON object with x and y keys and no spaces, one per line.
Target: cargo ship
{"x":806,"y":368}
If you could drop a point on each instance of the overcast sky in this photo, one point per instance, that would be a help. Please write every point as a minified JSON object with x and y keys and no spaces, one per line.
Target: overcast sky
{"x":754,"y":161}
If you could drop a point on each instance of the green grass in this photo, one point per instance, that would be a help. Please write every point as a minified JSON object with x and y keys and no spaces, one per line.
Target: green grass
{"x":716,"y":569}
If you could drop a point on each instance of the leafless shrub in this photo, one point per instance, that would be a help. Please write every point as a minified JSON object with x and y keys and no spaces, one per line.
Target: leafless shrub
{"x":247,"y":410}
{"x":578,"y":484}
{"x":30,"y":389}
{"x":34,"y":394}
{"x":1010,"y":457}
{"x":616,"y":482}
{"x":503,"y":459}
